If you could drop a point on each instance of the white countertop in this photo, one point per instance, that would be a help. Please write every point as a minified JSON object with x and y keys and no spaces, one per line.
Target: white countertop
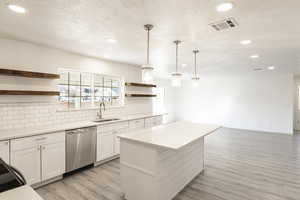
{"x":18,"y":133}
{"x":20,"y":193}
{"x":172,"y":136}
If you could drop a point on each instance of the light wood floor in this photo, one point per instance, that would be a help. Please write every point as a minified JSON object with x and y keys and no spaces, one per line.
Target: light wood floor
{"x":239,"y":165}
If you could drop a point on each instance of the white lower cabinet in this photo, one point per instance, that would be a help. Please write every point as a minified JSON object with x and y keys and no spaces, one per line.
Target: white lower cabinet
{"x":108,"y":144}
{"x":105,"y":145}
{"x":53,"y":160}
{"x":39,"y":158}
{"x":4,"y":151}
{"x":153,"y":121}
{"x":29,"y":163}
{"x":117,"y":143}
{"x":136,"y":124}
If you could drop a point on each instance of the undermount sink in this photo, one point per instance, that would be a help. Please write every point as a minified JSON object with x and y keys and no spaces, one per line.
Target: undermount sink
{"x":106,"y":120}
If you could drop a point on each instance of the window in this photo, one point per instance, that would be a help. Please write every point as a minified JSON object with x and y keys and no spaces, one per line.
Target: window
{"x":86,"y":90}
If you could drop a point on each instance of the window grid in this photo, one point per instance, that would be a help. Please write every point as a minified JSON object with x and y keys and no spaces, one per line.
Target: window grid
{"x":96,"y":91}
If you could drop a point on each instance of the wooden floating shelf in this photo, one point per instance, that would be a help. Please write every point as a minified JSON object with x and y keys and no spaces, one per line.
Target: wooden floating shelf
{"x":140,"y":95}
{"x":140,"y":85}
{"x":26,"y":92}
{"x":28,"y":74}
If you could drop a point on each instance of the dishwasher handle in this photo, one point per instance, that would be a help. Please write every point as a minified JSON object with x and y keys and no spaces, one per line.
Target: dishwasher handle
{"x":80,"y":130}
{"x":74,"y":132}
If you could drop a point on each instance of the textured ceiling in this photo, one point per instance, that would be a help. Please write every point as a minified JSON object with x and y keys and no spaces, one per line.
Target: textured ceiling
{"x":81,"y":26}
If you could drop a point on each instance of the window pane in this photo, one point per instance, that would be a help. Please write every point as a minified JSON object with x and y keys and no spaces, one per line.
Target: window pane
{"x":74,"y":102}
{"x":115,"y":92}
{"x":86,"y":79}
{"x":107,"y":100}
{"x":63,"y":89}
{"x":107,"y":92}
{"x":107,"y":82}
{"x":98,"y":91}
{"x":98,"y":80}
{"x":74,"y":91}
{"x":98,"y":99}
{"x":63,"y":78}
{"x":86,"y":99}
{"x":115,"y":83}
{"x":64,"y":99}
{"x":74,"y":78}
{"x":86,"y":91}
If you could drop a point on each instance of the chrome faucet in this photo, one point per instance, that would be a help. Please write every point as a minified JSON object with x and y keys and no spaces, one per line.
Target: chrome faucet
{"x":99,"y":114}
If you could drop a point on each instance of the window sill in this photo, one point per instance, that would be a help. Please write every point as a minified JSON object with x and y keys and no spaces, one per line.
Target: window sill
{"x":90,"y":108}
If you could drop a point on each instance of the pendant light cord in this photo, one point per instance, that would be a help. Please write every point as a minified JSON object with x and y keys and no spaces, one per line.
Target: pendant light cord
{"x":176,"y":57}
{"x":177,"y":42}
{"x":148,"y":28}
{"x":148,"y":44}
{"x":195,"y":61}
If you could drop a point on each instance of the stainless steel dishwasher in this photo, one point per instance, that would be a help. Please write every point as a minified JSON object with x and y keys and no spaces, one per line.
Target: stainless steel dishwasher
{"x":80,"y":147}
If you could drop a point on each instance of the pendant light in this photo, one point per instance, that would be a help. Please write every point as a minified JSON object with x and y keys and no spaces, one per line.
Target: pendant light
{"x":176,"y":76}
{"x":147,"y":69}
{"x":195,"y":78}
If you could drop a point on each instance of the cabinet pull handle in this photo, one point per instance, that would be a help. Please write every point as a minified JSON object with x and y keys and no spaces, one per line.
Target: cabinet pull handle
{"x":39,"y":139}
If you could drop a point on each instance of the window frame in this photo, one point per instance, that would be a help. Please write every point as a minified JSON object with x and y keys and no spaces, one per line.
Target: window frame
{"x":93,"y":104}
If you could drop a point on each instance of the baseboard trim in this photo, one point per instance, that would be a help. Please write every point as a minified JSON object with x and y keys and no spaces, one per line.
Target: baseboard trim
{"x":43,"y":183}
{"x":106,"y":160}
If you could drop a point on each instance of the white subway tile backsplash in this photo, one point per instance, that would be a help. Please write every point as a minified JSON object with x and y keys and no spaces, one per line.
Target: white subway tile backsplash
{"x":27,"y":115}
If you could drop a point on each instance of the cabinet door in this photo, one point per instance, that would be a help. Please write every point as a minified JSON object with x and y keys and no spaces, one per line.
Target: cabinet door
{"x":149,"y":122}
{"x":105,"y":145}
{"x":53,"y":160}
{"x":158,"y":120}
{"x":28,"y":162}
{"x":136,"y":124}
{"x":117,"y":142}
{"x":4,"y":151}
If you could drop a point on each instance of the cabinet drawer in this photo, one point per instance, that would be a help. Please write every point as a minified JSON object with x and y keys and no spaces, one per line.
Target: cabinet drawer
{"x":149,"y":120}
{"x":137,"y":124}
{"x":153,"y":121}
{"x":4,"y":151}
{"x":120,"y":125}
{"x":159,"y":119}
{"x":112,"y":127}
{"x":29,"y":142}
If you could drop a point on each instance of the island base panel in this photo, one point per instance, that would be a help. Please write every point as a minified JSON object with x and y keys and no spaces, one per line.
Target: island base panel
{"x":155,"y":173}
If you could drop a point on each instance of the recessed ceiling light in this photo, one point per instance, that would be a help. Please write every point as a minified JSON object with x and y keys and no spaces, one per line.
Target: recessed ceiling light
{"x":224,"y":7}
{"x":16,"y":8}
{"x":271,"y":68}
{"x":111,"y":40}
{"x":254,"y":56}
{"x":246,"y":42}
{"x":184,"y":65}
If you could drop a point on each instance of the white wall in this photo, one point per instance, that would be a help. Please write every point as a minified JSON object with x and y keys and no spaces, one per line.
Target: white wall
{"x":40,"y":111}
{"x":254,"y":102}
{"x":169,"y":105}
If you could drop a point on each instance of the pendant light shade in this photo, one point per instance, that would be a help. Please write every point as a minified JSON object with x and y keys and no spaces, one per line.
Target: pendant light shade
{"x":147,"y":69}
{"x":195,"y":78}
{"x":176,"y":76}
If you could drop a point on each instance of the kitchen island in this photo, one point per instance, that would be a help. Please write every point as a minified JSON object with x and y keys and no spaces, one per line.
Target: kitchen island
{"x":166,"y":158}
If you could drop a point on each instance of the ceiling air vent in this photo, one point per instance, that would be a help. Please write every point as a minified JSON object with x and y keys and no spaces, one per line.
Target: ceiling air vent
{"x":224,"y":24}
